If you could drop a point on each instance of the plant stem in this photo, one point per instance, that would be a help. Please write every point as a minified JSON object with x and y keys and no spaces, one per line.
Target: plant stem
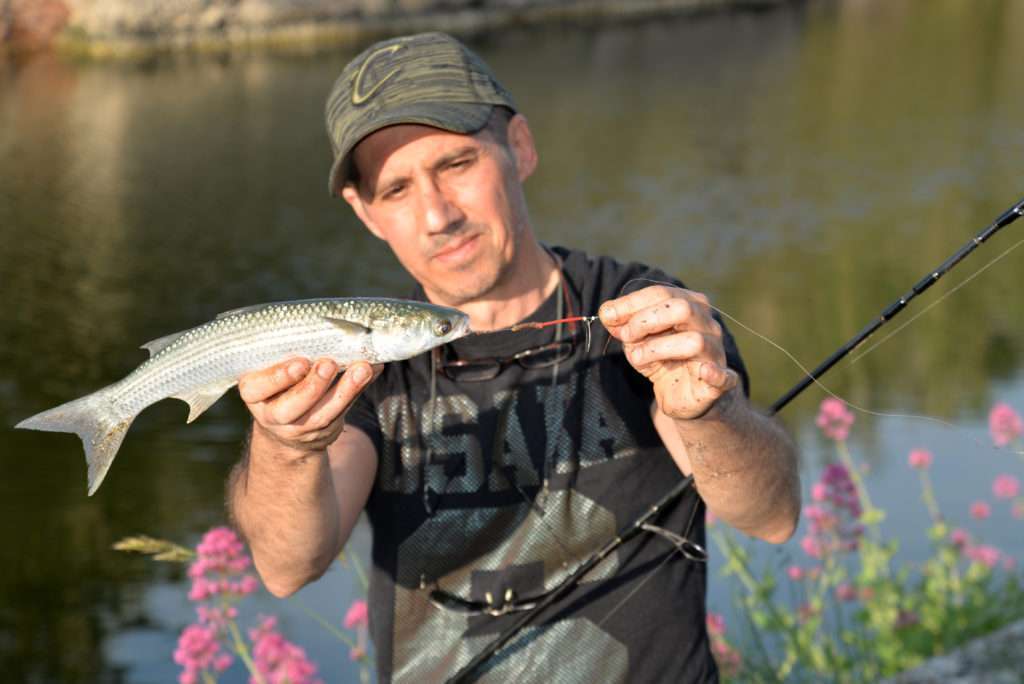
{"x":243,"y":652}
{"x":325,"y":624}
{"x":928,"y":495}
{"x":858,"y":483}
{"x":363,"y":579}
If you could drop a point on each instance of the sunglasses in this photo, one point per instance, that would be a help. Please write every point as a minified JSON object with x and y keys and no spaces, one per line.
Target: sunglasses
{"x":488,"y":368}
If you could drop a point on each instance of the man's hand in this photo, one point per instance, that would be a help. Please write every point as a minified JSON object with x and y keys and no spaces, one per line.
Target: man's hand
{"x":669,"y":336}
{"x":298,"y":404}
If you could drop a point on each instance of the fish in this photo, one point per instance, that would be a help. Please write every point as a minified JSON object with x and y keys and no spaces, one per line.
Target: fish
{"x":200,"y":364}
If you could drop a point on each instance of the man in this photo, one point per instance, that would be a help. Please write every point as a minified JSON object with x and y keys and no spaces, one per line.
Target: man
{"x":492,"y":467}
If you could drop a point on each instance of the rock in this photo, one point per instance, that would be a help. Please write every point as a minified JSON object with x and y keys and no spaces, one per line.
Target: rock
{"x":996,"y":658}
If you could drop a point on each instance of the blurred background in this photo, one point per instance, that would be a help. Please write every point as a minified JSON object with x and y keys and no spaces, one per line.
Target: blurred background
{"x":804,"y":164}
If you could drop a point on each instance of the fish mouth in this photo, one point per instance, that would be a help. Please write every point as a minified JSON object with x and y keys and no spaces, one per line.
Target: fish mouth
{"x":462,"y":328}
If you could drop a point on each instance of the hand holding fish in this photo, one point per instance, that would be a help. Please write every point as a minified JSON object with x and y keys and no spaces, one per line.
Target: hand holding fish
{"x":299,"y":405}
{"x":670,"y":336}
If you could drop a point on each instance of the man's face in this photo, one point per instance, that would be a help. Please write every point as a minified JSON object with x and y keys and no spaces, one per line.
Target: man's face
{"x":450,"y":206}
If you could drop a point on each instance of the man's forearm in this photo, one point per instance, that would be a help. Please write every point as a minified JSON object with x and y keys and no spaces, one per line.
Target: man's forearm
{"x":745,"y":468}
{"x":286,"y":507}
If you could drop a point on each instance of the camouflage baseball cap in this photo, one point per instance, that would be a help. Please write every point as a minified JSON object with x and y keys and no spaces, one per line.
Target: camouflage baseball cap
{"x":428,"y":78}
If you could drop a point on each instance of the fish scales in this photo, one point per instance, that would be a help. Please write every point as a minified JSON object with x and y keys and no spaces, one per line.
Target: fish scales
{"x":200,"y":364}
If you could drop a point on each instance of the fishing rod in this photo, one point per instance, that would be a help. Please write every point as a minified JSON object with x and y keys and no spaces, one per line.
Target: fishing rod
{"x":474,"y":666}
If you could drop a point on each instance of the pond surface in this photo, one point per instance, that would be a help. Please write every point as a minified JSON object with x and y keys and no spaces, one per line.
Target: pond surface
{"x":804,"y":167}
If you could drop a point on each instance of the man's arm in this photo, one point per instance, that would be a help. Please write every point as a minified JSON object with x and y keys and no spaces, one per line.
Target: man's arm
{"x":744,"y":465}
{"x":298,"y":491}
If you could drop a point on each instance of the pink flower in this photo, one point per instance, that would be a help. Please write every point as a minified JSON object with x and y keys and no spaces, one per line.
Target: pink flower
{"x":1004,"y":424}
{"x":834,"y":419}
{"x":846,"y":592}
{"x":220,"y":567}
{"x":1005,"y":486}
{"x":980,"y":510}
{"x":716,"y":624}
{"x":920,"y":459}
{"x":727,"y":658}
{"x":795,"y":572}
{"x":834,"y":520}
{"x":277,"y":659}
{"x":959,"y":538}
{"x":356,"y":615}
{"x":811,"y":546}
{"x":198,"y":650}
{"x":984,"y":554}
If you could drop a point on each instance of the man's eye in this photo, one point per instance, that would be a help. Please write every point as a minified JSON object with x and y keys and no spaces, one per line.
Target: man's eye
{"x":392,"y":192}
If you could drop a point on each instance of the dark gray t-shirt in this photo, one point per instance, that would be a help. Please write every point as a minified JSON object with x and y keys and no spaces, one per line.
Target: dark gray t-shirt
{"x":477,"y":521}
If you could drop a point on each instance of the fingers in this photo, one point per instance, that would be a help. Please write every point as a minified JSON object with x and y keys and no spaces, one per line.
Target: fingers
{"x":682,"y":346}
{"x":261,"y":385}
{"x":722,"y":379}
{"x":304,"y":395}
{"x":338,"y":398}
{"x":657,"y":309}
{"x":617,"y":312}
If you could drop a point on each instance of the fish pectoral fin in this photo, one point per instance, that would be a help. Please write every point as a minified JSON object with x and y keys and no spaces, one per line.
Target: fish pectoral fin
{"x":161,"y":343}
{"x":348,"y":326}
{"x":201,"y":398}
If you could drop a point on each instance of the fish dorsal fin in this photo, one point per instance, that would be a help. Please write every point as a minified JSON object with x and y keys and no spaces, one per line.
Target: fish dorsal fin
{"x":348,"y":326}
{"x":159,"y":344}
{"x":201,"y":398}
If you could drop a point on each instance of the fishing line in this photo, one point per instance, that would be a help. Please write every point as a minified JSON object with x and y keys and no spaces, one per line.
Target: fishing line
{"x":936,"y":302}
{"x":807,"y":373}
{"x":810,"y":376}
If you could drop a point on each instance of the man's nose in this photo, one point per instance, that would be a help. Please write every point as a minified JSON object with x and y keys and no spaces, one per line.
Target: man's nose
{"x":440,"y":212}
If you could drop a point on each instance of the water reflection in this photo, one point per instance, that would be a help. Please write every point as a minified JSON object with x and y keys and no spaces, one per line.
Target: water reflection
{"x":804,"y":167}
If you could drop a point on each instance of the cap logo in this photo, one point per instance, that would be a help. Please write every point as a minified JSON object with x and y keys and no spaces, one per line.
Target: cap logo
{"x":359,"y":96}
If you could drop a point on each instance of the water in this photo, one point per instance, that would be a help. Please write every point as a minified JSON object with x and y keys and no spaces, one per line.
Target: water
{"x":804,"y":167}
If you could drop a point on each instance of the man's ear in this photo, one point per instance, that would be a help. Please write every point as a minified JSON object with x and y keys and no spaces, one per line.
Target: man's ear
{"x":355,"y":200}
{"x":520,"y":141}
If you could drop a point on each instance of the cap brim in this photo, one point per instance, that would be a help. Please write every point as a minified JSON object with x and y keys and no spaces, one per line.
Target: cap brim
{"x":457,"y":117}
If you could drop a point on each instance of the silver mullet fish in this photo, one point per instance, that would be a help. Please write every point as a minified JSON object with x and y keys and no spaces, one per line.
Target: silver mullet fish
{"x":199,"y":365}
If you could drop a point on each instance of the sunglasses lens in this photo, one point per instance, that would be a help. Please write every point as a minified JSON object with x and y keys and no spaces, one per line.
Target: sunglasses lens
{"x":472,"y":371}
{"x":546,"y":356}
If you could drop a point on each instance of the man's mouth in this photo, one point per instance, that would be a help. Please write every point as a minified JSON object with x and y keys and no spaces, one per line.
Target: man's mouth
{"x":457,"y":250}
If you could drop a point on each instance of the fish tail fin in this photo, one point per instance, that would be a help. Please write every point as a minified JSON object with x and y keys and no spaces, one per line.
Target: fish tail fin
{"x":94,"y":419}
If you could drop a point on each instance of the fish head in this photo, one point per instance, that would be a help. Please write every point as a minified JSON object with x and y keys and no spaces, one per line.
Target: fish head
{"x":416,"y":328}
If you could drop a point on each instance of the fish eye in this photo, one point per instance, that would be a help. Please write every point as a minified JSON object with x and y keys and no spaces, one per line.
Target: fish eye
{"x":442,"y":327}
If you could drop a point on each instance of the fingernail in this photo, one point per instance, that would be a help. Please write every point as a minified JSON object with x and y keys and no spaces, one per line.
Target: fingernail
{"x":296,"y":370}
{"x":637,"y":353}
{"x":325,"y":369}
{"x":608,"y":311}
{"x":360,"y":375}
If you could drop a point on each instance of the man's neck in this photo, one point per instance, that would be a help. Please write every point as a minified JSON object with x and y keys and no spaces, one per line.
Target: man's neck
{"x":536,"y":276}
